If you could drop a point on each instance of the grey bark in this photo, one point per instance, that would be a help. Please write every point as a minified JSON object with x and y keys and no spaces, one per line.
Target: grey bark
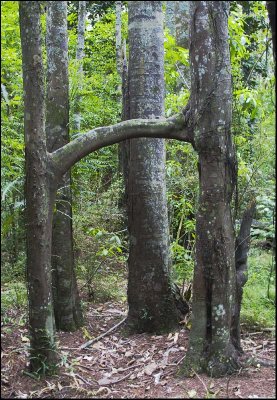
{"x":170,"y":17}
{"x":79,"y":57}
{"x":150,"y":300}
{"x":39,"y":194}
{"x":182,"y":23}
{"x":241,"y":255}
{"x":67,"y":309}
{"x":271,"y":8}
{"x":214,"y":284}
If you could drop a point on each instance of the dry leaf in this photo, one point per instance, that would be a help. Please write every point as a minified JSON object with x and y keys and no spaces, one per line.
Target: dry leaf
{"x":104,"y":381}
{"x":128,"y":353}
{"x":175,"y":340}
{"x":150,"y":368}
{"x":97,"y":346}
{"x":59,"y":386}
{"x":192,"y":393}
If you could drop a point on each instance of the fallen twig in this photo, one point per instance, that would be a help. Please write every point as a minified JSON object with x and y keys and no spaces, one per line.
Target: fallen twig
{"x":92,"y":341}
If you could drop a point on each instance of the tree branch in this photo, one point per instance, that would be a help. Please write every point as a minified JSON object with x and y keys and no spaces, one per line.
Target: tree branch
{"x":170,"y":128}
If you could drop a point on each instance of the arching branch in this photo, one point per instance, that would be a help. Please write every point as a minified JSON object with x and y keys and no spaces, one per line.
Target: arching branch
{"x":171,"y":128}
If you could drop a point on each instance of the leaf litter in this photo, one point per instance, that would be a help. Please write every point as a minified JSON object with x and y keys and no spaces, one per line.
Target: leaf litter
{"x":138,"y":366}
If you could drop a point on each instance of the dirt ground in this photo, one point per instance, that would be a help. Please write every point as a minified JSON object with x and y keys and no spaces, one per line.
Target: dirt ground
{"x":117,"y":366}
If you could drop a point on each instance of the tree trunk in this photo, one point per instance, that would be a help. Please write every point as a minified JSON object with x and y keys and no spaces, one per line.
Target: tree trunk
{"x":182,"y":23}
{"x":241,"y":255}
{"x":39,"y":195}
{"x":151,"y":304}
{"x":170,"y":17}
{"x":271,"y":8}
{"x":79,"y":58}
{"x":67,"y":309}
{"x":214,"y":283}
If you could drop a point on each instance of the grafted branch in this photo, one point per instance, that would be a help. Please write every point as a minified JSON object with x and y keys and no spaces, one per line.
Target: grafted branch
{"x":171,"y":128}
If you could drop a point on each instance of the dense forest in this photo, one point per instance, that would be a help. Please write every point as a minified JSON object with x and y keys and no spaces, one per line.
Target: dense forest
{"x":138,"y":199}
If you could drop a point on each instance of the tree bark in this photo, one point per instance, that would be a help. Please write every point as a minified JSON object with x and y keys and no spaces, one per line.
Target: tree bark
{"x":79,"y":58}
{"x":241,"y":255}
{"x":39,"y":195}
{"x":150,"y":300}
{"x":67,"y":309}
{"x":271,"y":8}
{"x":214,"y":283}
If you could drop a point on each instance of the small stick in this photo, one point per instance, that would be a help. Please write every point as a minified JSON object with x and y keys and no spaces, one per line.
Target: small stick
{"x":92,"y":341}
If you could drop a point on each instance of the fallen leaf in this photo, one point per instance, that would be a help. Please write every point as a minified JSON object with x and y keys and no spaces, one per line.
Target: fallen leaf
{"x":25,"y":339}
{"x":97,"y":346}
{"x":192,"y":393}
{"x":59,"y":386}
{"x":104,"y":381}
{"x":89,"y":358}
{"x":150,"y":368}
{"x":175,"y":340}
{"x":128,"y":353}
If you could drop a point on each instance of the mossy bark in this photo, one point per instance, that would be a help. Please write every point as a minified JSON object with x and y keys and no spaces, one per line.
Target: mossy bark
{"x":214,"y":284}
{"x":39,"y":195}
{"x":67,"y":309}
{"x":150,"y":300}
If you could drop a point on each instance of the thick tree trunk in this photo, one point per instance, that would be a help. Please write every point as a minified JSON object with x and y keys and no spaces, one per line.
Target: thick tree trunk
{"x":150,"y":300}
{"x":241,"y":255}
{"x":39,"y":195}
{"x":67,"y":309}
{"x":214,"y":283}
{"x":79,"y":58}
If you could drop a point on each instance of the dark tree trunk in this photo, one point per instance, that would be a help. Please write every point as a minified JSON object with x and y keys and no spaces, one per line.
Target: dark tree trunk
{"x":241,"y":255}
{"x":271,"y":8}
{"x":151,"y":304}
{"x":214,"y":283}
{"x":67,"y":309}
{"x":79,"y":58}
{"x":39,"y":195}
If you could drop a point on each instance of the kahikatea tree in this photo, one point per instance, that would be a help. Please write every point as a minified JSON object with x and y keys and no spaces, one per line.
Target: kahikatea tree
{"x":150,"y":299}
{"x":205,"y":122}
{"x":68,"y":315}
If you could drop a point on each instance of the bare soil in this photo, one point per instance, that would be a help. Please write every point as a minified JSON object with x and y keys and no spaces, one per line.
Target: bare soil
{"x":120,"y":366}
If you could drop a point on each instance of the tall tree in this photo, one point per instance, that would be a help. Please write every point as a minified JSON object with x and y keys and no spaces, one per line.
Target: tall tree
{"x":39,"y":201}
{"x":271,"y":8}
{"x":214,"y":282}
{"x":68,"y":315}
{"x":150,"y":300}
{"x":79,"y":57}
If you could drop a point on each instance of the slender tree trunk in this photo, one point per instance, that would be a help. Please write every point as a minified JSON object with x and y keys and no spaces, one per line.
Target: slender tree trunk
{"x":170,"y":17}
{"x":214,"y":283}
{"x":271,"y":8}
{"x":151,"y":304}
{"x":241,"y":255}
{"x":68,"y":315}
{"x":79,"y":58}
{"x":39,"y":194}
{"x":182,"y":23}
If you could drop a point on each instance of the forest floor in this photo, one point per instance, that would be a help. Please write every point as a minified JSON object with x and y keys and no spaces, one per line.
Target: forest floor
{"x":117,"y":366}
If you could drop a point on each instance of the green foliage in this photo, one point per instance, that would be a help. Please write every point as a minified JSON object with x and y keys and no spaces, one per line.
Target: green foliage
{"x":258,"y":304}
